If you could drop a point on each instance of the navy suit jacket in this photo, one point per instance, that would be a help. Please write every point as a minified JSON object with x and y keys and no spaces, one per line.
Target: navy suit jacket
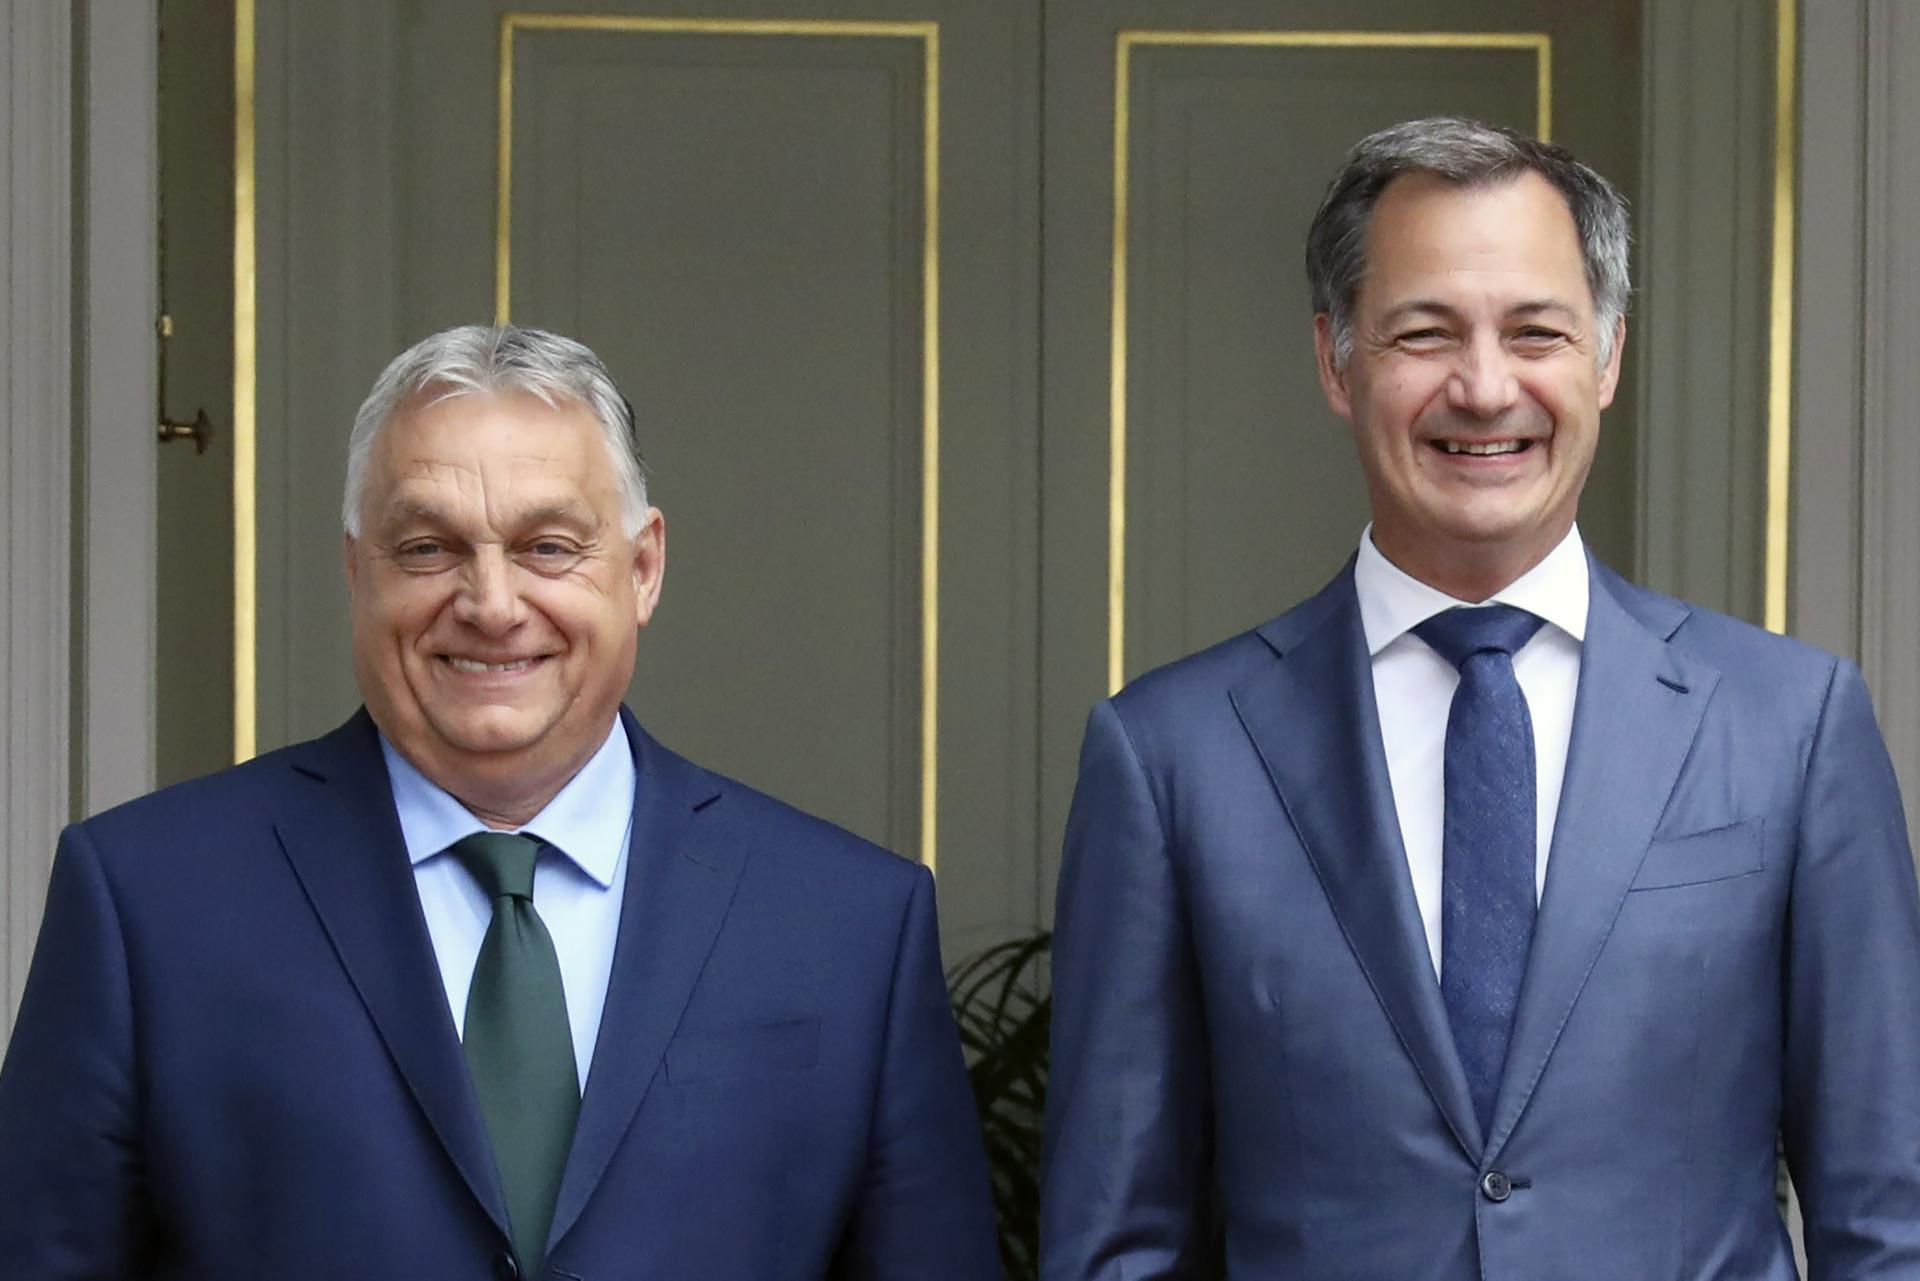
{"x":235,"y":1058}
{"x":1249,"y":1037}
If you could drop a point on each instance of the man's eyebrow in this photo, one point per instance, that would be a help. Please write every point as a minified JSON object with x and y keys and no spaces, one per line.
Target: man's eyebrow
{"x":560,"y":513}
{"x":1413,"y":306}
{"x":1434,"y":307}
{"x":1535,"y":306}
{"x":404,"y":510}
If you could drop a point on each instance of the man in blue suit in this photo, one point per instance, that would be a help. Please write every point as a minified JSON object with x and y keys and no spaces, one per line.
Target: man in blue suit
{"x":1483,"y":916}
{"x":487,"y":982}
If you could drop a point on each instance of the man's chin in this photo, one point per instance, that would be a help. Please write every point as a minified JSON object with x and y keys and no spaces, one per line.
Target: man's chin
{"x":496,"y":736}
{"x":1489,"y":527}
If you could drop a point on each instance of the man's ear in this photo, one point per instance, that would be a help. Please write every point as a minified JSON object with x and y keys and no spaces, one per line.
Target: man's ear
{"x":351,"y":561}
{"x":649,"y":565}
{"x":1333,"y":379}
{"x":1610,"y":374}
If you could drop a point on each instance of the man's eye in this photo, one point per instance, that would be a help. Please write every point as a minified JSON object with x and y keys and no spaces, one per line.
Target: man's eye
{"x":548,"y":553}
{"x":426,"y":549}
{"x":1536,"y":334}
{"x":1421,"y":336}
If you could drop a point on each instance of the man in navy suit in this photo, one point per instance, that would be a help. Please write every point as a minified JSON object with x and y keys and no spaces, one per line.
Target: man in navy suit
{"x":1484,"y":916}
{"x":487,"y":982}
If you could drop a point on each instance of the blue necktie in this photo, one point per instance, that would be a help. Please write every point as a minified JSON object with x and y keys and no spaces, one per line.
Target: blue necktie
{"x":1490,"y":834}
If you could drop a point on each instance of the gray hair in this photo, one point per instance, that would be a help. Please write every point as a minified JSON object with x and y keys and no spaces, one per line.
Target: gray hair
{"x":484,"y":360}
{"x":1467,"y":154}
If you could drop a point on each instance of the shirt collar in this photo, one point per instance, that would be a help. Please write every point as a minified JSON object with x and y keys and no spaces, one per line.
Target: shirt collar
{"x":587,"y":820}
{"x":1393,"y":602}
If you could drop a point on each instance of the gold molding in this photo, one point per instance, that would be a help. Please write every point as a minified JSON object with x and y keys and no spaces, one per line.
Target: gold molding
{"x":1780,"y":318}
{"x":245,"y":389}
{"x":928,"y":33}
{"x":1540,"y":44}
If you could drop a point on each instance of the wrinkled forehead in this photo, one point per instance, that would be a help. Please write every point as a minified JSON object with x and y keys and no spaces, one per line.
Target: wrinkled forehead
{"x":444,"y":446}
{"x":454,"y":419}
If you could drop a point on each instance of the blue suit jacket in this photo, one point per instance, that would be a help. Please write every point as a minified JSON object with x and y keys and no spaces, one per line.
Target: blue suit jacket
{"x":235,"y":1057}
{"x":1248,"y":1031}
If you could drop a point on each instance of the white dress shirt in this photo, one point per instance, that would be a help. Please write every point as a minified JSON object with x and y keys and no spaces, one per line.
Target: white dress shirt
{"x":1414,"y":688}
{"x":578,"y":896}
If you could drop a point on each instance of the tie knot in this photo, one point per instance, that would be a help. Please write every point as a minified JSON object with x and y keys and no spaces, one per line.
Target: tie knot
{"x":1459,"y":634}
{"x":501,"y":861}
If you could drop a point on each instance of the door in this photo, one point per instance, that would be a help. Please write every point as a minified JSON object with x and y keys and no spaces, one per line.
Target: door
{"x":804,"y":243}
{"x":967,"y":339}
{"x":1194,"y":481}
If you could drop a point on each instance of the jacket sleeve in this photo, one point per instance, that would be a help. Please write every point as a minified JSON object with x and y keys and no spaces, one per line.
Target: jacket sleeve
{"x":1127,"y":1162}
{"x":925,"y":1213}
{"x":72,"y":1199}
{"x":1851,"y":1107}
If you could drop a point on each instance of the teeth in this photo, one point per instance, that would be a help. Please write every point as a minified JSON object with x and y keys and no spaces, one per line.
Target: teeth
{"x":471,"y":665}
{"x":1482,"y":450}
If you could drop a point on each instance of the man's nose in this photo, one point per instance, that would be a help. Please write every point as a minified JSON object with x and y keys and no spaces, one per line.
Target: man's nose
{"x":1483,"y":383}
{"x":487,"y":598}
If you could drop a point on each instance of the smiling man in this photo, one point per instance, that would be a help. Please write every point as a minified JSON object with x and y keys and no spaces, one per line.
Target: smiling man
{"x":1483,"y":918}
{"x":487,"y":982}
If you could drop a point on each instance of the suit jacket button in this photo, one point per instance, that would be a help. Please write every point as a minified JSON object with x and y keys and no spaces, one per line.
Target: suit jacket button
{"x":1495,"y":1186}
{"x":505,"y":1268}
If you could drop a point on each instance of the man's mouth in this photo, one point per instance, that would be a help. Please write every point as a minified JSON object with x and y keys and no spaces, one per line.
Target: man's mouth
{"x":1482,"y":448}
{"x":476,"y":665}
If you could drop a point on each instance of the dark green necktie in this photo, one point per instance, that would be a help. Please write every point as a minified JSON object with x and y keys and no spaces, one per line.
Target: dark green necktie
{"x":518,"y":1043}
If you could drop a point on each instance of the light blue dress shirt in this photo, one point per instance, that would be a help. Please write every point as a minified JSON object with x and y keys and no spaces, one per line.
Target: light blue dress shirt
{"x":578,"y":896}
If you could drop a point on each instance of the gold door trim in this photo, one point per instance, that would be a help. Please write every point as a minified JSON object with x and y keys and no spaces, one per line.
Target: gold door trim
{"x":928,"y":34}
{"x":1540,"y":45}
{"x":1780,"y":319}
{"x":246,"y":607}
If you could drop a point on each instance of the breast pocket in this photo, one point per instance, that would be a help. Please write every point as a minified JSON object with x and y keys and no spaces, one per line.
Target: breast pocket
{"x":1697,"y":858}
{"x":743,"y":1053}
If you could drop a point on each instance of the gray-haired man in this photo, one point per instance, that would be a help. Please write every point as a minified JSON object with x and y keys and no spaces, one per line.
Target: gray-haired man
{"x":1483,"y":918}
{"x":487,"y":981}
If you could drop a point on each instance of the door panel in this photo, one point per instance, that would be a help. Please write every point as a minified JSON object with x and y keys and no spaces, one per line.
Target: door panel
{"x":1227,"y":446}
{"x":735,"y":215}
{"x":1194,"y":481}
{"x":193,"y":588}
{"x":792,"y":468}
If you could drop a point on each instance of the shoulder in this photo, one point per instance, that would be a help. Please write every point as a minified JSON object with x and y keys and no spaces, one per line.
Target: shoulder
{"x":1206,"y":678}
{"x":1740,"y":651}
{"x":199,"y":811}
{"x":214,"y":841}
{"x":813,"y":901}
{"x":1207,"y":674}
{"x":812,"y":855}
{"x":802,"y":838}
{"x":1764,"y":686}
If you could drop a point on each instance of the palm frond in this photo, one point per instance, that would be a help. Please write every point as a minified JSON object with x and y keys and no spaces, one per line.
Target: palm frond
{"x":1002,"y":1007}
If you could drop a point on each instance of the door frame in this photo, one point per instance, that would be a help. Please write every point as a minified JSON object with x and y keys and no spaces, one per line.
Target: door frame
{"x":117,"y":296}
{"x":79,"y":167}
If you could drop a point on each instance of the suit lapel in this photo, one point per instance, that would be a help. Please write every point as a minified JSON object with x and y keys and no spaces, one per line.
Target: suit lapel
{"x":678,"y":891}
{"x":1312,"y":717}
{"x":343,"y":839}
{"x":1636,"y":714}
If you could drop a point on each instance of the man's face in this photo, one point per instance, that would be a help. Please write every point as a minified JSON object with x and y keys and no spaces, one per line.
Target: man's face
{"x":1472,"y":387}
{"x":495,"y":592}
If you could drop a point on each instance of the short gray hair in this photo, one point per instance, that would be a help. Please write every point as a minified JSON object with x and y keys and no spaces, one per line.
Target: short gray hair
{"x":486,"y":360}
{"x":1467,"y":154}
